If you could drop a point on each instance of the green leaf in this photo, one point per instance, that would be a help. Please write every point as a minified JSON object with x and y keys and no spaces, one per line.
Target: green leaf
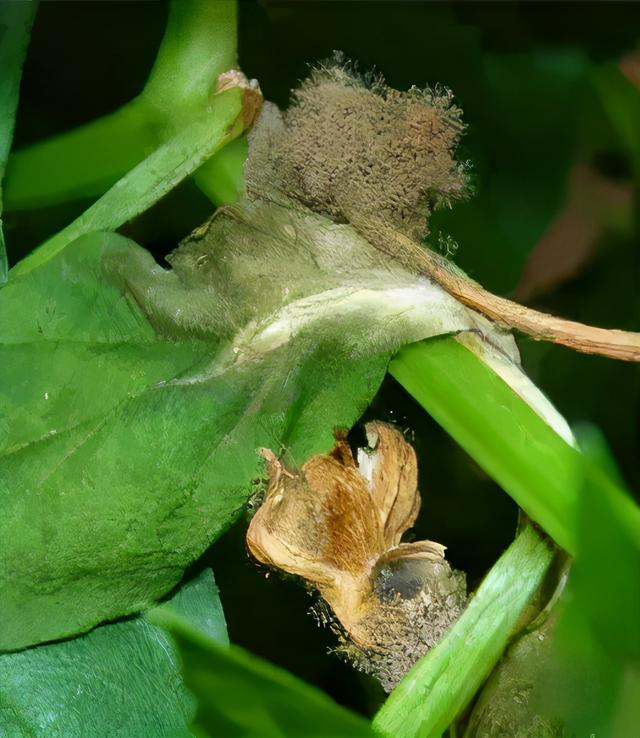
{"x":240,"y":695}
{"x":441,"y":684}
{"x":119,"y":681}
{"x":92,"y":423}
{"x":595,"y":685}
{"x":15,"y":28}
{"x":594,"y":446}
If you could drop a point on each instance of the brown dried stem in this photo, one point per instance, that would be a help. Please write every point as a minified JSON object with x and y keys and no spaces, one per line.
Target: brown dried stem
{"x":615,"y":344}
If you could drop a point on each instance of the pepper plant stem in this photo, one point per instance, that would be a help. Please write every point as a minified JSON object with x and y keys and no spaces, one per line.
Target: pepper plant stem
{"x":200,"y":43}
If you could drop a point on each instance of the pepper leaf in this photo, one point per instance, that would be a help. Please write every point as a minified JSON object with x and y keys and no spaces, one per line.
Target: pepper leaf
{"x":118,"y":681}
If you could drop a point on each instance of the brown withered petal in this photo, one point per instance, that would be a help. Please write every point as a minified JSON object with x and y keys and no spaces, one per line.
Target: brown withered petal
{"x":319,"y":523}
{"x":338,"y":525}
{"x":392,"y":472}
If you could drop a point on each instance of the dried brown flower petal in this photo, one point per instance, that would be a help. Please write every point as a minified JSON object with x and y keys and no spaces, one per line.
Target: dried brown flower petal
{"x":392,"y":473}
{"x":338,"y":525}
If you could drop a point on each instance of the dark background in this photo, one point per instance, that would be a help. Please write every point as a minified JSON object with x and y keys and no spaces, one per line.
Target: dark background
{"x":555,"y":181}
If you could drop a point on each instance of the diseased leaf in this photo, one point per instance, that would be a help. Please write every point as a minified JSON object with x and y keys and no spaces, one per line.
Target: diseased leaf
{"x":242,"y":696}
{"x":133,"y":398}
{"x":119,"y":681}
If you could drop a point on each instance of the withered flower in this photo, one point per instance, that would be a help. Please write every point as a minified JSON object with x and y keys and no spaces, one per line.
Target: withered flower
{"x":338,"y":523}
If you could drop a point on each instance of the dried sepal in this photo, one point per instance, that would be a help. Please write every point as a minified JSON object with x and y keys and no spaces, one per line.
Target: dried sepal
{"x":338,"y":524}
{"x":318,"y":523}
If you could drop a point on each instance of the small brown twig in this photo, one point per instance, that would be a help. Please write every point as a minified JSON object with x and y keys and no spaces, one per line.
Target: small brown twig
{"x":615,"y":344}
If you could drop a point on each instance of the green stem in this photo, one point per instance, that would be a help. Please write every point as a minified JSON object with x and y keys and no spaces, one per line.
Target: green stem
{"x":527,"y":458}
{"x":198,"y":45}
{"x":441,"y":684}
{"x":221,"y":178}
{"x":82,"y":163}
{"x":498,"y":430}
{"x":154,"y":177}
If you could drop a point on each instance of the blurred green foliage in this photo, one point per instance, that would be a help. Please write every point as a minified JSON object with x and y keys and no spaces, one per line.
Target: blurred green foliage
{"x":594,"y":681}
